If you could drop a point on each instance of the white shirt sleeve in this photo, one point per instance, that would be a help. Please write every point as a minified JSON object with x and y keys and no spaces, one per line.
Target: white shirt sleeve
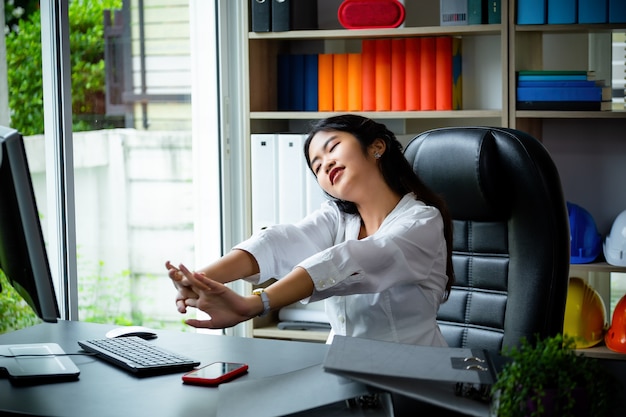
{"x":408,"y":246}
{"x":278,"y":249}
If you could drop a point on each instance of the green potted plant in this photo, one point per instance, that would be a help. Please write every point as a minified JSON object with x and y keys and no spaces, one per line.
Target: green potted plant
{"x":548,"y":378}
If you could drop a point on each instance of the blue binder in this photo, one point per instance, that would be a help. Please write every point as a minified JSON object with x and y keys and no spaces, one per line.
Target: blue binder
{"x":283,"y":77}
{"x":310,"y":82}
{"x":562,"y":11}
{"x":617,"y":11}
{"x":296,"y":82}
{"x":531,"y":12}
{"x":592,"y":11}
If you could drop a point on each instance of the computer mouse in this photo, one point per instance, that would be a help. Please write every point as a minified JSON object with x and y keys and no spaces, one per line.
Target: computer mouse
{"x":125,"y":331}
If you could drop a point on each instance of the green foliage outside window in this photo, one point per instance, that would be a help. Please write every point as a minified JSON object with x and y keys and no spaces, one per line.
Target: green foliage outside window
{"x":16,"y":10}
{"x":105,"y":299}
{"x":15,"y":313}
{"x":24,"y":67}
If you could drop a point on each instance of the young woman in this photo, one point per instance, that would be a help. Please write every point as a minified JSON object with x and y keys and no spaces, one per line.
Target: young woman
{"x":378,"y":252}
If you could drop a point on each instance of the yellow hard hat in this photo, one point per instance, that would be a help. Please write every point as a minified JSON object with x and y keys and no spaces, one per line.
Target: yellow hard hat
{"x":585,"y":314}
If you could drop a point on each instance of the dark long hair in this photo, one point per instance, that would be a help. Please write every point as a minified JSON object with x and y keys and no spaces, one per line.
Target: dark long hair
{"x":396,"y":170}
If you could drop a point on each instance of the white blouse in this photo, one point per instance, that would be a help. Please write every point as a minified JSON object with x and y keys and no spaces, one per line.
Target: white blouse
{"x":387,"y":286}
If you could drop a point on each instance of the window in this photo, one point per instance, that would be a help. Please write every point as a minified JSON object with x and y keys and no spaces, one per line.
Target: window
{"x":135,"y":195}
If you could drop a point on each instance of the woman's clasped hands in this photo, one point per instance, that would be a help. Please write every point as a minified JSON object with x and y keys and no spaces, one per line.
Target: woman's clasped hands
{"x":225,"y":307}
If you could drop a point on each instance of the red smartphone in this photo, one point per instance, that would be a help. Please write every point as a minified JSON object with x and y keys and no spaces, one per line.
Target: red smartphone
{"x":215,"y":373}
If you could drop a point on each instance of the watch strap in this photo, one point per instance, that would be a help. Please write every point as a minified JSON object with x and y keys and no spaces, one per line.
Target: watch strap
{"x":265,"y":299}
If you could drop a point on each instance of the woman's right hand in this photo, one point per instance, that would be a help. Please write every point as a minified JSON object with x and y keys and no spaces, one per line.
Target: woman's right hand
{"x":182,"y":284}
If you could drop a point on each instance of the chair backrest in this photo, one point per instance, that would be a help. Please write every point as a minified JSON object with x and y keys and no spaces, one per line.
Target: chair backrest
{"x":511,"y":233}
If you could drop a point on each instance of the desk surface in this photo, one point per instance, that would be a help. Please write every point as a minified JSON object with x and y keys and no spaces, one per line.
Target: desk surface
{"x":106,"y":390}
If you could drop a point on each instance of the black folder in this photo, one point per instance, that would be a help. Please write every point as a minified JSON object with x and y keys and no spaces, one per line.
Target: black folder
{"x":426,"y":373}
{"x":293,"y":15}
{"x":281,"y":15}
{"x":261,"y":15}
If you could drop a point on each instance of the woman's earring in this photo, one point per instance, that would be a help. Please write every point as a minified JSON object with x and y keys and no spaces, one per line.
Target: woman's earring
{"x":377,"y":155}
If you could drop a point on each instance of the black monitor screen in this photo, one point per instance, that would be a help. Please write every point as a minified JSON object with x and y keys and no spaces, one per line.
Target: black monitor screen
{"x":23,"y":257}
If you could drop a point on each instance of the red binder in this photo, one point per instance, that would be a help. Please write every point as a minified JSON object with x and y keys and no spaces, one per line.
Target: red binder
{"x":412,"y":73}
{"x":427,"y":74}
{"x":368,"y":74}
{"x":383,"y":74}
{"x":443,"y":73}
{"x":398,"y":79}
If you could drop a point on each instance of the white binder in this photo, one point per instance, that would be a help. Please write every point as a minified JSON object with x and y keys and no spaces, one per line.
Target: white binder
{"x":264,"y":166}
{"x":291,"y":179}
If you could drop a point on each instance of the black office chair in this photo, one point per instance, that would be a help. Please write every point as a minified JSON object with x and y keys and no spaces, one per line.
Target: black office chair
{"x":511,"y":233}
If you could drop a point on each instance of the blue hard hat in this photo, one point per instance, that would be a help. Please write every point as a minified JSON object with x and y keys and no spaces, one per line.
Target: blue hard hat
{"x":585,"y":241}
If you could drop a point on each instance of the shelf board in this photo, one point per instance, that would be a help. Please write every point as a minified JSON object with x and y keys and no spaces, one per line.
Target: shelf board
{"x":273,"y":332}
{"x":550,"y":114}
{"x":379,"y":33}
{"x":451,"y":114}
{"x":574,"y":28}
{"x":597,"y":267}
{"x":601,"y":352}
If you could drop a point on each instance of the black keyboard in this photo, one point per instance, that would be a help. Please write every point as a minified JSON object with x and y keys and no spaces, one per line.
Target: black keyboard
{"x":138,"y":356}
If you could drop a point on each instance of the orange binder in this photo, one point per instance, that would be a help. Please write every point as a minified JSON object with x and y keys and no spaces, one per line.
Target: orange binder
{"x":355,"y":90}
{"x":383,"y":74}
{"x":443,"y":74}
{"x":427,"y":74}
{"x":325,"y":82}
{"x":398,"y":80}
{"x":368,"y":74}
{"x":340,"y":82}
{"x":412,"y":73}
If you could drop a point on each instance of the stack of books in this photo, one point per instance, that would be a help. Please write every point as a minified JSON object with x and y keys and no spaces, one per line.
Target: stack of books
{"x":400,"y":74}
{"x":561,"y":90}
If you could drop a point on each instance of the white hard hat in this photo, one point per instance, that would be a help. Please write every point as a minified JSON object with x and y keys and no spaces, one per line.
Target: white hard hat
{"x":615,"y":243}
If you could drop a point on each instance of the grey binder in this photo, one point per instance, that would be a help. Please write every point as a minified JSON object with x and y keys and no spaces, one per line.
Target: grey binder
{"x":429,"y":374}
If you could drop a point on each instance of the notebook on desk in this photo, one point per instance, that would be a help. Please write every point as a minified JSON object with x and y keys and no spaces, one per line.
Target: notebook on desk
{"x":36,"y":363}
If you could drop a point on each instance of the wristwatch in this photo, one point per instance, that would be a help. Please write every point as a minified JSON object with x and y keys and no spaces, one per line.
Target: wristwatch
{"x":266,"y":300}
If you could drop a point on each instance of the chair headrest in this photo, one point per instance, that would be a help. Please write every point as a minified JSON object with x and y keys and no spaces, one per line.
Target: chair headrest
{"x":464,"y":166}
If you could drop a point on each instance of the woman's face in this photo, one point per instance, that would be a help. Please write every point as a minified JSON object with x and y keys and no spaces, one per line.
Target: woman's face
{"x":341,"y":167}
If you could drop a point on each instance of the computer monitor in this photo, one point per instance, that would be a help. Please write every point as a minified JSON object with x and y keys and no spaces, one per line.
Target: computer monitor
{"x":23,"y":256}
